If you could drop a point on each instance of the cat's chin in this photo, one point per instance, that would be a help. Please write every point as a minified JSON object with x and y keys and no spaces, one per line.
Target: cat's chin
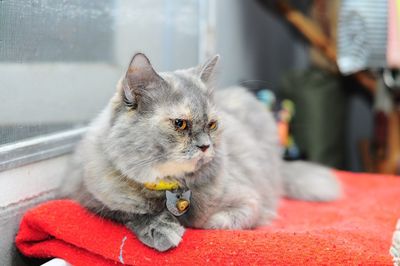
{"x":177,"y":168}
{"x":202,"y":161}
{"x":182,"y":167}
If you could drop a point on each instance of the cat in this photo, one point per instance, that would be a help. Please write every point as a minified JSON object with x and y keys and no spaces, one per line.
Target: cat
{"x":221,"y":145}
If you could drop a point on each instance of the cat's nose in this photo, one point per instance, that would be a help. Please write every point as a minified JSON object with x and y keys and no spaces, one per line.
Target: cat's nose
{"x":203,"y":148}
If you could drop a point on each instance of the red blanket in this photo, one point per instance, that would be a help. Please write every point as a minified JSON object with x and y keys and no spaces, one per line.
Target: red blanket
{"x":355,"y":230}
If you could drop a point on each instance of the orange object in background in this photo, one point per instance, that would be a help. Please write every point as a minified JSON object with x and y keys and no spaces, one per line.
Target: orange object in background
{"x":285,"y":115}
{"x":283,"y":130}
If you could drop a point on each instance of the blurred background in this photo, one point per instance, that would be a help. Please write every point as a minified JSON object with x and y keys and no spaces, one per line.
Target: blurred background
{"x":327,"y":69}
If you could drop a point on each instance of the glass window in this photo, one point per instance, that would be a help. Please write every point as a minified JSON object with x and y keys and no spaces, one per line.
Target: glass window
{"x":60,"y":60}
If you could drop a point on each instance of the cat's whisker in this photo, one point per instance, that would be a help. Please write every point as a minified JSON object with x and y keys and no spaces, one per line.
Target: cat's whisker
{"x":146,"y":161}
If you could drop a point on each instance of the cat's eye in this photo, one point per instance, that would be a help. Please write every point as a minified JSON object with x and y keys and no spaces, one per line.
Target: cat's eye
{"x":180,"y":124}
{"x":212,"y":125}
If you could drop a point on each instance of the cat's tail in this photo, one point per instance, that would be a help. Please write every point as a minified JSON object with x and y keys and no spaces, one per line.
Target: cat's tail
{"x":309,"y":181}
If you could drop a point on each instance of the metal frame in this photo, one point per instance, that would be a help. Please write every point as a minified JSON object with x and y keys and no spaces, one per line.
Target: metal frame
{"x":39,"y":148}
{"x":207,"y":29}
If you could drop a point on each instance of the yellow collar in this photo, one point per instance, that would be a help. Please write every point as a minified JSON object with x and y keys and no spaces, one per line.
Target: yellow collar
{"x":162,"y":185}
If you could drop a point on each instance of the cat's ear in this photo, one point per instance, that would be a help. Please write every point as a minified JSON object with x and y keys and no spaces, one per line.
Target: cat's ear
{"x":208,"y":68}
{"x":139,"y":75}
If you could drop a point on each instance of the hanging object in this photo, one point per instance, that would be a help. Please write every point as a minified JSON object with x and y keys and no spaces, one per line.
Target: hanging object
{"x":362,"y":35}
{"x":386,"y":142}
{"x":317,"y":38}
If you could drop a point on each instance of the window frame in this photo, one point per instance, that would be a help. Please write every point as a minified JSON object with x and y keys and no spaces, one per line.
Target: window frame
{"x":56,"y":144}
{"x":39,"y":148}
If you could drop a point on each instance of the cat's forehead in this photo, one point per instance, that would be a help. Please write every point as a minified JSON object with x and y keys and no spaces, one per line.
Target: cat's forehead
{"x":187,"y":109}
{"x":189,"y":98}
{"x":183,"y":81}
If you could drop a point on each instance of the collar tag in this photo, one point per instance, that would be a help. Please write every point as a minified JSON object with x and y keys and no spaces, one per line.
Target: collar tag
{"x":178,"y":203}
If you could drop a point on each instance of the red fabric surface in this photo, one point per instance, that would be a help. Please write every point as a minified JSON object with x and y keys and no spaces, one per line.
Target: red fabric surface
{"x":356,"y":230}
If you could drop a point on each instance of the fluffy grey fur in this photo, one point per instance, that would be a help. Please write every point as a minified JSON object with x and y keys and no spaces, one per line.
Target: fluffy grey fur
{"x":236,"y":182}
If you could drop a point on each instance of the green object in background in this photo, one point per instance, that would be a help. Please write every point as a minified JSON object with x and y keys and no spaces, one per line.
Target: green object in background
{"x":319,"y":123}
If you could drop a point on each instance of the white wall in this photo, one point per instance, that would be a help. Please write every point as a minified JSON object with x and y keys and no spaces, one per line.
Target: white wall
{"x":21,"y":189}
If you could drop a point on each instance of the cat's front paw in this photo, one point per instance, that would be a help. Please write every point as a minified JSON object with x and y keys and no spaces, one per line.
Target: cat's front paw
{"x":162,"y":233}
{"x":164,"y":238}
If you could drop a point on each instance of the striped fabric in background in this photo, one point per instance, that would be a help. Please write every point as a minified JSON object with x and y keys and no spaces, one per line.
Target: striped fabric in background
{"x":362,"y":35}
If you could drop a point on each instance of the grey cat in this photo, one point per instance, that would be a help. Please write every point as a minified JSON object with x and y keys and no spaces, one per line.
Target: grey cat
{"x":221,"y":145}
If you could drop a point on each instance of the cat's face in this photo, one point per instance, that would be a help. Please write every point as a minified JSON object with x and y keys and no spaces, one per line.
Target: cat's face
{"x":165,"y":123}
